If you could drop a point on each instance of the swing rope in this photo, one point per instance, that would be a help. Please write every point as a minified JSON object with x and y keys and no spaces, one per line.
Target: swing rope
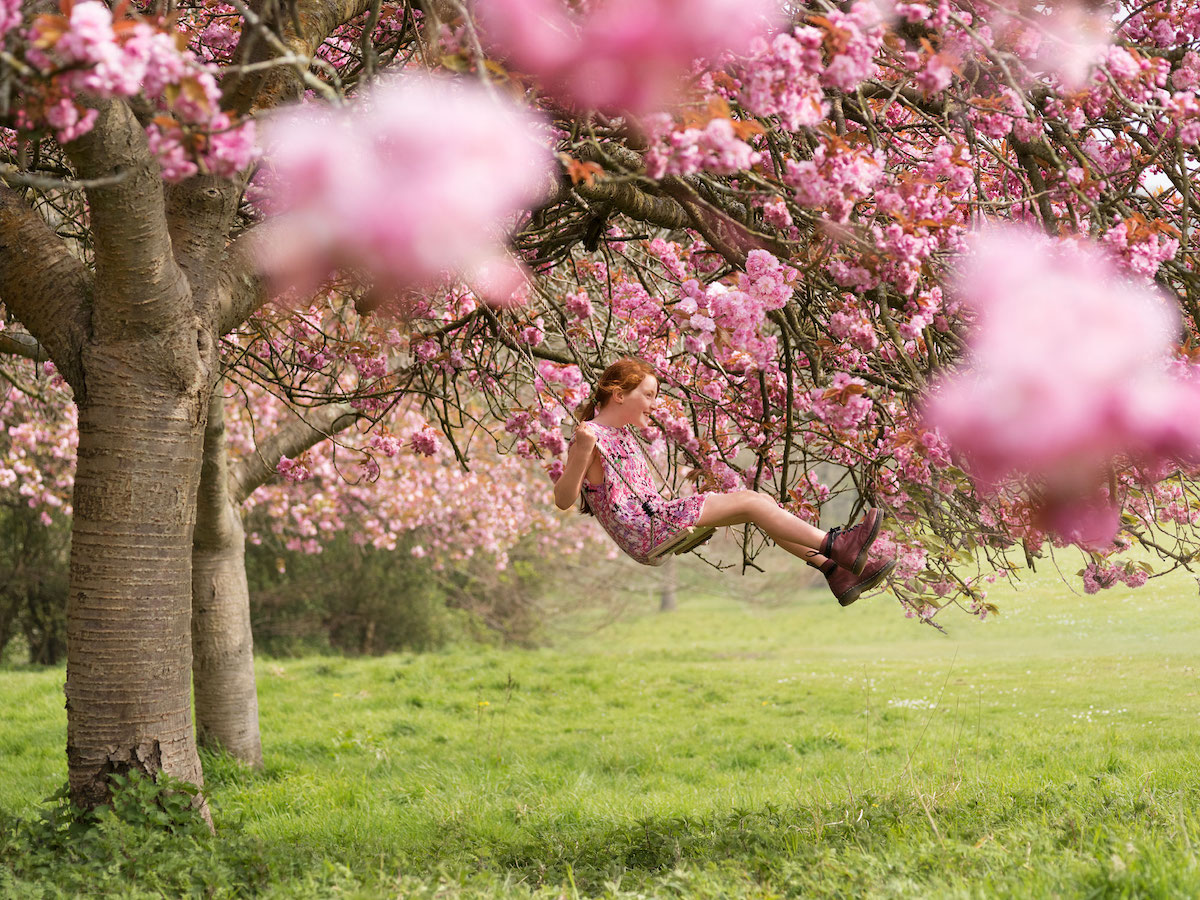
{"x":681,"y":542}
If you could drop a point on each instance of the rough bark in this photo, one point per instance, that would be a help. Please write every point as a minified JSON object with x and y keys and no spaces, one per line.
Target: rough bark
{"x":670,"y":581}
{"x":146,"y":364}
{"x":222,"y":644}
{"x":276,"y":35}
{"x":128,"y":614}
{"x":200,"y":212}
{"x":42,"y":284}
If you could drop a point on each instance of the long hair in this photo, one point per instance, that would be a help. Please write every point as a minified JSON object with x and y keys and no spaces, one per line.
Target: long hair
{"x":624,"y":375}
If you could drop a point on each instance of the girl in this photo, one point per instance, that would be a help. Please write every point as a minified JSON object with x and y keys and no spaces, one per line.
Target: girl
{"x":606,"y":471}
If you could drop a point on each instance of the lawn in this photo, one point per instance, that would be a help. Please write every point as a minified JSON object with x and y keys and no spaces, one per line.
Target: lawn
{"x":729,"y":749}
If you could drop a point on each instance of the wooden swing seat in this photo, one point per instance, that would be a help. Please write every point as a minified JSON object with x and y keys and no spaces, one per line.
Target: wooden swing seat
{"x":683,"y":541}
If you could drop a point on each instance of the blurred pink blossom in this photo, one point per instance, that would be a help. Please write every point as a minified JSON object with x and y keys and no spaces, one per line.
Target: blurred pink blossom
{"x":10,"y":16}
{"x":622,"y":55}
{"x":413,"y":183}
{"x":1068,"y":369}
{"x":1076,"y":39}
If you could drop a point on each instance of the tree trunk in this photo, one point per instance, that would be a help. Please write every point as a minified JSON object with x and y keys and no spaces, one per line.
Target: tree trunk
{"x":141,"y":431}
{"x":670,"y":581}
{"x":222,"y":645}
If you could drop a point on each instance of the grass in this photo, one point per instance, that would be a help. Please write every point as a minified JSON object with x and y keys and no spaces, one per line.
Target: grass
{"x":725,"y":750}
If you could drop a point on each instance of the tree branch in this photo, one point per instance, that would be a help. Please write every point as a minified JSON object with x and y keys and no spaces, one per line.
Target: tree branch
{"x":13,"y":343}
{"x":200,"y":212}
{"x":43,"y":285}
{"x":269,"y":87}
{"x":243,"y":287}
{"x":257,"y":469}
{"x":140,"y":290}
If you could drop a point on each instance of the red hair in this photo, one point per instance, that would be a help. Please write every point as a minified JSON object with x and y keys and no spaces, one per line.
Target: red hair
{"x":624,"y":375}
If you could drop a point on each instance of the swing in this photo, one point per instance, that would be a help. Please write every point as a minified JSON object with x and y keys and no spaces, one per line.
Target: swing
{"x":683,"y":541}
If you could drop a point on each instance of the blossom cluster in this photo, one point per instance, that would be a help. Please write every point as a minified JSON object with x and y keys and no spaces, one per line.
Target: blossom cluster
{"x":412,"y":184}
{"x":86,"y":53}
{"x":1069,"y":369}
{"x":622,"y":55}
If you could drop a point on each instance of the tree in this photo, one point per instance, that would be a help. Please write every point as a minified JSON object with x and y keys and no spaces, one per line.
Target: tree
{"x":779,"y":243}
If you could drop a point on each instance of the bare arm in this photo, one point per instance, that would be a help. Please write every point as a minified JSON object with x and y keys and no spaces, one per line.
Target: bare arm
{"x":579,"y":456}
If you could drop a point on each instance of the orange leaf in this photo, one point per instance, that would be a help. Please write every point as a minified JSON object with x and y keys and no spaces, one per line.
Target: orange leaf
{"x":744,"y":129}
{"x":50,"y":28}
{"x":586,"y":172}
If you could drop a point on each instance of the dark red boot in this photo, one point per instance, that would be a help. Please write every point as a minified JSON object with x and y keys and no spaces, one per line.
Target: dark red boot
{"x":848,"y":547}
{"x":847,"y":586}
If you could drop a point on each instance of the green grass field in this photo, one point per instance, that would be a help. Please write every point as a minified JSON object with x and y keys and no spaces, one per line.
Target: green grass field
{"x":724,"y":750}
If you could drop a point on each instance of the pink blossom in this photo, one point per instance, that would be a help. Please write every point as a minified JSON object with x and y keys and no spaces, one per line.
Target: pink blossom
{"x":854,"y":38}
{"x":64,"y":116}
{"x":93,"y":56}
{"x":622,"y":55}
{"x":294,"y":470}
{"x":781,"y":79}
{"x":579,"y":304}
{"x":714,"y":148}
{"x":936,"y":74}
{"x":1187,"y":76}
{"x":411,"y":184}
{"x":167,"y":147}
{"x":230,"y":149}
{"x":424,"y":441}
{"x":219,"y":35}
{"x":533,"y":334}
{"x":844,"y":405}
{"x":776,"y":213}
{"x":386,"y":444}
{"x":1068,"y":369}
{"x":10,"y":16}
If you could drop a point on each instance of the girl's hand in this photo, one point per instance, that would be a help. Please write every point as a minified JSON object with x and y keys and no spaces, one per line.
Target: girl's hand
{"x":585,"y":437}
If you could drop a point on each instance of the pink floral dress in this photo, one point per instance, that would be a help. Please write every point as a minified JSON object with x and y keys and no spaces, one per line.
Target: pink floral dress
{"x":621,"y":501}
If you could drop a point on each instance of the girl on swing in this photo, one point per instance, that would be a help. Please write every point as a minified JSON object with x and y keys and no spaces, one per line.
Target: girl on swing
{"x":605,"y":471}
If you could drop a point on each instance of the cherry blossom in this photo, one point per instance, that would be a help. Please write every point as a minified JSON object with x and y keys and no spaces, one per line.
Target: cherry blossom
{"x":622,"y":55}
{"x":412,"y":184}
{"x":1068,"y":370}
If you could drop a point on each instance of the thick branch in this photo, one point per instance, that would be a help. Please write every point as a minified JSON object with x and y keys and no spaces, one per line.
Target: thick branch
{"x":13,"y":343}
{"x":243,"y":287}
{"x":726,"y":235}
{"x":298,"y":436}
{"x":213,"y":500}
{"x":1041,"y":197}
{"x":140,"y":290}
{"x":200,"y":212}
{"x":43,"y":285}
{"x":270,"y":87}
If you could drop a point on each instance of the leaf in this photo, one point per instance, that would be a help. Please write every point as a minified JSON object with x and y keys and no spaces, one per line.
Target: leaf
{"x":49,"y":28}
{"x":586,"y":172}
{"x":746,"y":129}
{"x":194,"y":91}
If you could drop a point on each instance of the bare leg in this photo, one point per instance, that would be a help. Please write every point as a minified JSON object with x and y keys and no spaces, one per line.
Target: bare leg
{"x":814,"y":559}
{"x":791,"y":533}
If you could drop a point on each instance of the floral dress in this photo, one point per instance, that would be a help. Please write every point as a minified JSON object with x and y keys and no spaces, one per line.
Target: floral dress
{"x":620,"y":502}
